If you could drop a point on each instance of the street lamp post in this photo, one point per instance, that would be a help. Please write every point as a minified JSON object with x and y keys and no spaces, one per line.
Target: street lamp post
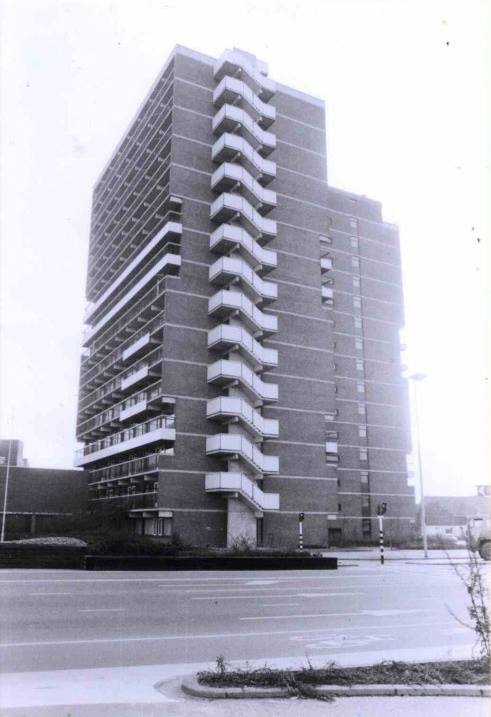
{"x":417,"y":377}
{"x":5,"y":494}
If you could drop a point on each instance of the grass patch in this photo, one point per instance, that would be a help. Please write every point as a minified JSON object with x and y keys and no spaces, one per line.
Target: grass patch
{"x":300,"y":682}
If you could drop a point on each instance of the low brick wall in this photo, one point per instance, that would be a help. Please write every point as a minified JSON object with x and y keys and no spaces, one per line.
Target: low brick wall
{"x":225,"y":562}
{"x":41,"y":556}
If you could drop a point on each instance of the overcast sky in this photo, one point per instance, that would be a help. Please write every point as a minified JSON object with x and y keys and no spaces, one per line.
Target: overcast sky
{"x":407,"y":91}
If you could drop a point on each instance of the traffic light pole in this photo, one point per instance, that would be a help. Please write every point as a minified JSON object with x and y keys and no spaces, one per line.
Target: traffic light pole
{"x":381,"y":537}
{"x":300,"y":531}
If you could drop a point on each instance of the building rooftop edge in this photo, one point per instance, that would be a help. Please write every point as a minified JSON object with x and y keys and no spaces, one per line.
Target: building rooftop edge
{"x":188,"y":52}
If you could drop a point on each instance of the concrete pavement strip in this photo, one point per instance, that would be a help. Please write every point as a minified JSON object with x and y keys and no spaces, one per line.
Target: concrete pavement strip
{"x":191,"y":686}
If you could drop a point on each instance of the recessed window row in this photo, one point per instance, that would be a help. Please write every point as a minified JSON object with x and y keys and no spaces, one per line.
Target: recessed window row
{"x":122,"y":255}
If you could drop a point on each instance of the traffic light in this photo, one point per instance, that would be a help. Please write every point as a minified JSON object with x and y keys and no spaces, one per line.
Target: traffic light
{"x":301,"y":516}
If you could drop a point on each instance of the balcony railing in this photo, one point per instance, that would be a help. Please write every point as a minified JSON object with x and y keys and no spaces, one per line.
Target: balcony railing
{"x":228,"y":237}
{"x":170,"y":262}
{"x":135,"y":314}
{"x":115,"y":413}
{"x":114,"y":386}
{"x":157,"y":429}
{"x":225,"y":302}
{"x":127,"y":469}
{"x":172,"y":228}
{"x":224,"y":407}
{"x":225,"y":372}
{"x":229,"y":175}
{"x":227,"y":269}
{"x":230,"y":146}
{"x":227,"y":444}
{"x":224,"y":336}
{"x":111,"y":362}
{"x":231,"y":482}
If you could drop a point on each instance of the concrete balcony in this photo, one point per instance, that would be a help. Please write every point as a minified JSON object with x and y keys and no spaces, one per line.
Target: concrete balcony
{"x":169,"y":263}
{"x":232,"y":62}
{"x":140,"y":346}
{"x":326,"y":264}
{"x":225,"y":372}
{"x":229,"y":269}
{"x":235,"y":120}
{"x":225,"y":303}
{"x":236,"y":92}
{"x":170,"y":229}
{"x":229,"y":176}
{"x":134,"y":410}
{"x":158,"y":429}
{"x":230,"y":147}
{"x":225,"y":338}
{"x":332,"y":447}
{"x":226,"y":407}
{"x":228,"y":238}
{"x":136,"y":378}
{"x":234,"y":446}
{"x":228,"y":482}
{"x":229,"y":207}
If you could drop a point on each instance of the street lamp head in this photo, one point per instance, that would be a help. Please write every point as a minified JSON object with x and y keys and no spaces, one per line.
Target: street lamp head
{"x":417,"y":376}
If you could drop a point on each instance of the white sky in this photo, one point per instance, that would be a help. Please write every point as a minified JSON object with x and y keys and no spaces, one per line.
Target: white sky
{"x":408,"y":108}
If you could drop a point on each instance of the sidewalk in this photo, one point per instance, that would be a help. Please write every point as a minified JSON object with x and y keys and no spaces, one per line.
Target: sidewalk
{"x":348,"y":707}
{"x":131,"y":692}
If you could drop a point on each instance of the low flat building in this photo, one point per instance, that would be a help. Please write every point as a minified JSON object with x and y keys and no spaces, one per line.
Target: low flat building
{"x":39,"y":500}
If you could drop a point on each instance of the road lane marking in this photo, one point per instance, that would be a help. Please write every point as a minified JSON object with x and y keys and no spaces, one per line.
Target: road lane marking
{"x":281,"y":604}
{"x":315,"y":595}
{"x":44,"y":594}
{"x":373,"y":613}
{"x":91,"y":581}
{"x":272,"y":595}
{"x":207,"y":636}
{"x":103,"y":609}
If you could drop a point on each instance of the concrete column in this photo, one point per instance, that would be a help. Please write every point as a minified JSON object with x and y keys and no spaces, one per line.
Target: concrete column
{"x":241,"y":522}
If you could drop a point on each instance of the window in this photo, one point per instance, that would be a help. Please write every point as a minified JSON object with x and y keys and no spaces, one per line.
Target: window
{"x":365,"y":501}
{"x":359,"y":365}
{"x":356,"y":281}
{"x":360,"y":387}
{"x":324,"y":238}
{"x":366,"y":526}
{"x":357,"y":322}
{"x":331,"y":416}
{"x":354,"y":242}
{"x":353,"y":222}
{"x":358,"y":345}
{"x":362,"y":431}
{"x":331,"y":435}
{"x":363,"y":454}
{"x":356,"y":302}
{"x":364,"y":477}
{"x":361,"y":409}
{"x":355,"y":262}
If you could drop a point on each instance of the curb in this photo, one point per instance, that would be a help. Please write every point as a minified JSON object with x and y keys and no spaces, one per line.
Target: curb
{"x":192,"y":687}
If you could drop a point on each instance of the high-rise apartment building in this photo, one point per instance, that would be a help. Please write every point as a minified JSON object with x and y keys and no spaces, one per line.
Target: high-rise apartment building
{"x":241,"y":362}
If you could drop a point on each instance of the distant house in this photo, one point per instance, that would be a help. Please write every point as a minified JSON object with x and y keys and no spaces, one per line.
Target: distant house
{"x":448,"y":515}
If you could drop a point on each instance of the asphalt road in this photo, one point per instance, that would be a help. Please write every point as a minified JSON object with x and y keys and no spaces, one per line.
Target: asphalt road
{"x":59,"y":620}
